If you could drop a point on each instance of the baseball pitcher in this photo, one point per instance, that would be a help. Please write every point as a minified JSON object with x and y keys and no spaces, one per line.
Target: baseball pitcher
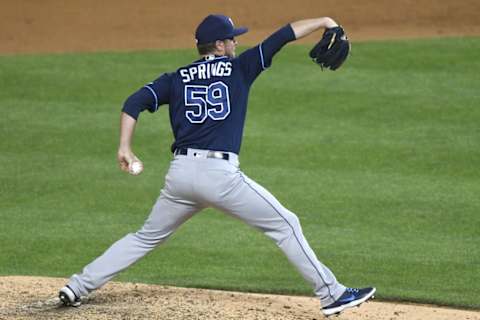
{"x":207,"y":102}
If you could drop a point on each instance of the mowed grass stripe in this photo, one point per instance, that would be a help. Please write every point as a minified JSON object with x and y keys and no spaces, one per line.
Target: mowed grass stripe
{"x":379,"y":160}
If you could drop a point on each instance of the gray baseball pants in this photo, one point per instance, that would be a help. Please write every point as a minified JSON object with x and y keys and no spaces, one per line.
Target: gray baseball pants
{"x":193,"y":183}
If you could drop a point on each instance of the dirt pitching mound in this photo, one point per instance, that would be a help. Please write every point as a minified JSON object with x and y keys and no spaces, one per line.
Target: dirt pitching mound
{"x":35,"y":298}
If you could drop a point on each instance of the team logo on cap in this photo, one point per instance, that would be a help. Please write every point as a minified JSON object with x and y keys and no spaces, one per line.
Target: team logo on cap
{"x":231,"y":21}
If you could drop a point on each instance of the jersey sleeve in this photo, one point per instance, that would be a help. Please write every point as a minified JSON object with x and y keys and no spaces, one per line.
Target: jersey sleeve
{"x":150,"y":97}
{"x":253,"y":61}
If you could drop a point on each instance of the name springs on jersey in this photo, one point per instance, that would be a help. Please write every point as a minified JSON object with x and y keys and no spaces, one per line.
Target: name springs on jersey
{"x":205,"y":71}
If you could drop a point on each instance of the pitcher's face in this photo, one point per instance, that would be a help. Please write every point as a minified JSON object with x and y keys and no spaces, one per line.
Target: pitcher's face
{"x":230,"y":46}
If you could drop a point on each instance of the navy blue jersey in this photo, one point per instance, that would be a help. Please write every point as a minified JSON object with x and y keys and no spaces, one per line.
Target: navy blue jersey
{"x":208,"y":98}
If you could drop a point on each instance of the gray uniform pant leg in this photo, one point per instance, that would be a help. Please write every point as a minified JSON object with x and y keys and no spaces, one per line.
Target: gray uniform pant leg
{"x":245,"y":199}
{"x":222,"y":185}
{"x":166,"y":216}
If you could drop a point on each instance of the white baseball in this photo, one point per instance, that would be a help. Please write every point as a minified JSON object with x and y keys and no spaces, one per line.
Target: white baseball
{"x":136,"y":168}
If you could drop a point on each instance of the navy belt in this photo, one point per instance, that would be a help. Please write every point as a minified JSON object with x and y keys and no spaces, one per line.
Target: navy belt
{"x":210,"y":154}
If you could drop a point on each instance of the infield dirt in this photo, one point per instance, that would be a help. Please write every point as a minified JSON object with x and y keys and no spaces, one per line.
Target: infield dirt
{"x":35,"y":298}
{"x":81,"y":26}
{"x":89,"y":25}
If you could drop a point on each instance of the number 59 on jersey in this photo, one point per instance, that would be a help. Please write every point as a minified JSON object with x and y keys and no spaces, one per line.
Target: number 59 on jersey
{"x":211,"y":101}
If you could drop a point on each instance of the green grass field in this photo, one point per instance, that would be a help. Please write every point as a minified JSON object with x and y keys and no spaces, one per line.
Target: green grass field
{"x":380,"y":160}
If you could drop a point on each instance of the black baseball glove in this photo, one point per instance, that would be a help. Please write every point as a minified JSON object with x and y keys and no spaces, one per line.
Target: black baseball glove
{"x":332,"y":50}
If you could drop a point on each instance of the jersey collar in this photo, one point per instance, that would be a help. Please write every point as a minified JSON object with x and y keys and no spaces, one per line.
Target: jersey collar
{"x":209,"y":58}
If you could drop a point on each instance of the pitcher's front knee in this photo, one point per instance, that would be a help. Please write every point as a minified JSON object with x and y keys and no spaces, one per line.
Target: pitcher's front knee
{"x":285,"y":229}
{"x":292,"y":220}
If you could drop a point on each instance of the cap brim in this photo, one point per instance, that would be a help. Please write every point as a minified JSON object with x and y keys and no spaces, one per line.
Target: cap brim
{"x":239,"y":31}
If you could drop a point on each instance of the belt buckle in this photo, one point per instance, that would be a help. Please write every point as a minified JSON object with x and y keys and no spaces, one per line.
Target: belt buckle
{"x":215,"y":154}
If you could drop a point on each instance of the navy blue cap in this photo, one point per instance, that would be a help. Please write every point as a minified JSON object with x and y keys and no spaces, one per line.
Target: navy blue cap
{"x":217,"y":27}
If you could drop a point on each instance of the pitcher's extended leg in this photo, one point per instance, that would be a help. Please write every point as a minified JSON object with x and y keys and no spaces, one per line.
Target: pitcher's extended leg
{"x":259,"y":208}
{"x":166,"y":216}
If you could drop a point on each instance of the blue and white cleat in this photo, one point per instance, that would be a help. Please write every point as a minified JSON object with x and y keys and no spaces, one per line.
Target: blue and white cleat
{"x":68,"y":297}
{"x":352,"y":297}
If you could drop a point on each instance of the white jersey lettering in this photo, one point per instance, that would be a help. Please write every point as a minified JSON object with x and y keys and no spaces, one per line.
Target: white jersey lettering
{"x":206,"y":71}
